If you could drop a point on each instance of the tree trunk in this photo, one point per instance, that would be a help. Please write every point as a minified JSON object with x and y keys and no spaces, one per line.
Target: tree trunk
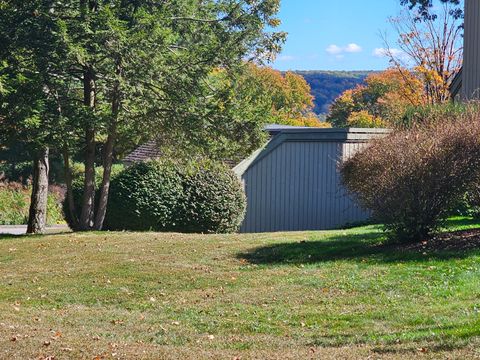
{"x":108,"y":151}
{"x":37,"y":217}
{"x":88,"y":202}
{"x":68,"y":182}
{"x":105,"y":188}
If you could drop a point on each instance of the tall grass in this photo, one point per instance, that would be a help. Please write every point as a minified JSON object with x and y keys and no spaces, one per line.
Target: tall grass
{"x":15,"y":203}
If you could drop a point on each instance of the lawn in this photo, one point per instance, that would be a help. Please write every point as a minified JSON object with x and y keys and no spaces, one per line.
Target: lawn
{"x":337,"y":294}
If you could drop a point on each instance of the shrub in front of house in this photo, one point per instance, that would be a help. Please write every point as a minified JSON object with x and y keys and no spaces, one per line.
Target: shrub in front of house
{"x":194,"y":197}
{"x":213,"y":199}
{"x":412,"y":179}
{"x":145,"y":196}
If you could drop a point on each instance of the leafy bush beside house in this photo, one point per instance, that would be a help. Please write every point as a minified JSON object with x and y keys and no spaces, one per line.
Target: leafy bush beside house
{"x":213,"y":199}
{"x":413,"y":178}
{"x":195,"y":197}
{"x":145,"y":196}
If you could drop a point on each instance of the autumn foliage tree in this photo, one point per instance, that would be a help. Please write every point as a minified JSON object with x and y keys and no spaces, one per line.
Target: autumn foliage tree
{"x":429,"y":42}
{"x":381,"y":102}
{"x":285,"y":98}
{"x":246,"y":100}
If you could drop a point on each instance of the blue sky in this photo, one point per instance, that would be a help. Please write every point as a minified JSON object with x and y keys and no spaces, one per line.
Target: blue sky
{"x":335,"y":34}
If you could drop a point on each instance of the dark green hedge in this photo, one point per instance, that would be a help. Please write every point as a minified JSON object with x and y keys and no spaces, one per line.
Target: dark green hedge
{"x":194,"y":197}
{"x":213,"y":199}
{"x":145,"y":196}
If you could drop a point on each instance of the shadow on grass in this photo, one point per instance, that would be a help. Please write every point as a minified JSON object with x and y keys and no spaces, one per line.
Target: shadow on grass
{"x":368,"y":246}
{"x":434,"y":338}
{"x":19,"y":236}
{"x":10,"y":236}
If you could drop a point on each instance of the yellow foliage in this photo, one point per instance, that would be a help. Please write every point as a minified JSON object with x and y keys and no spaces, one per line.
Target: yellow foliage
{"x":363,"y":119}
{"x":289,"y":94}
{"x":385,"y":97}
{"x":309,"y":121}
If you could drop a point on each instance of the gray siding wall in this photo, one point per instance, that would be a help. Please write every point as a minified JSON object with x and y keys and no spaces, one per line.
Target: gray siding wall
{"x":471,"y":56}
{"x":297,"y":187}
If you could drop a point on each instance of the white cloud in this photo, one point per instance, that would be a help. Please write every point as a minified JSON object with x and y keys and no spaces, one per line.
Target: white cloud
{"x":353,"y":48}
{"x":286,"y":58}
{"x":382,"y":52}
{"x":334,"y":49}
{"x":338,"y":50}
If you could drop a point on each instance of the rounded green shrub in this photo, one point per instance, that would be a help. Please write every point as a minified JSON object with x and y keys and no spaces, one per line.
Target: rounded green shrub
{"x":213,"y":199}
{"x":193,"y":197}
{"x":145,"y":196}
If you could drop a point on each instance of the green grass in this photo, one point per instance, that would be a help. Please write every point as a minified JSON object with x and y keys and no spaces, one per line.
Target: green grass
{"x":333,"y":294}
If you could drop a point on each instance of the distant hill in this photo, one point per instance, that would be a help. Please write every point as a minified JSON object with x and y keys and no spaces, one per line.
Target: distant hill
{"x":328,"y":85}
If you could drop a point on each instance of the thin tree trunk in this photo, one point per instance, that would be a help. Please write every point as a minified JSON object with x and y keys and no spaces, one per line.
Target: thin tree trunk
{"x":105,"y":188}
{"x":108,"y":152}
{"x":88,"y":202}
{"x":68,"y":182}
{"x":37,"y":217}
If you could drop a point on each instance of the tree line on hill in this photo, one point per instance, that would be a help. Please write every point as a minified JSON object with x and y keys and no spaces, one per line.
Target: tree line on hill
{"x":326,"y":86}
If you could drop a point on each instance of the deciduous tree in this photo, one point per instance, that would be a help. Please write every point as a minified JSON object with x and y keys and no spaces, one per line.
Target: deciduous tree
{"x":382,"y":101}
{"x":432,"y":46}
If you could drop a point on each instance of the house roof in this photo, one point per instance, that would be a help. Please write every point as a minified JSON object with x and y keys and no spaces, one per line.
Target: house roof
{"x":274,"y":129}
{"x":147,"y":151}
{"x":309,"y":135}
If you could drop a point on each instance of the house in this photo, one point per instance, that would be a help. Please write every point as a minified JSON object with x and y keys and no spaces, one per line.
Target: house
{"x":293,"y":183}
{"x":466,"y":85}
